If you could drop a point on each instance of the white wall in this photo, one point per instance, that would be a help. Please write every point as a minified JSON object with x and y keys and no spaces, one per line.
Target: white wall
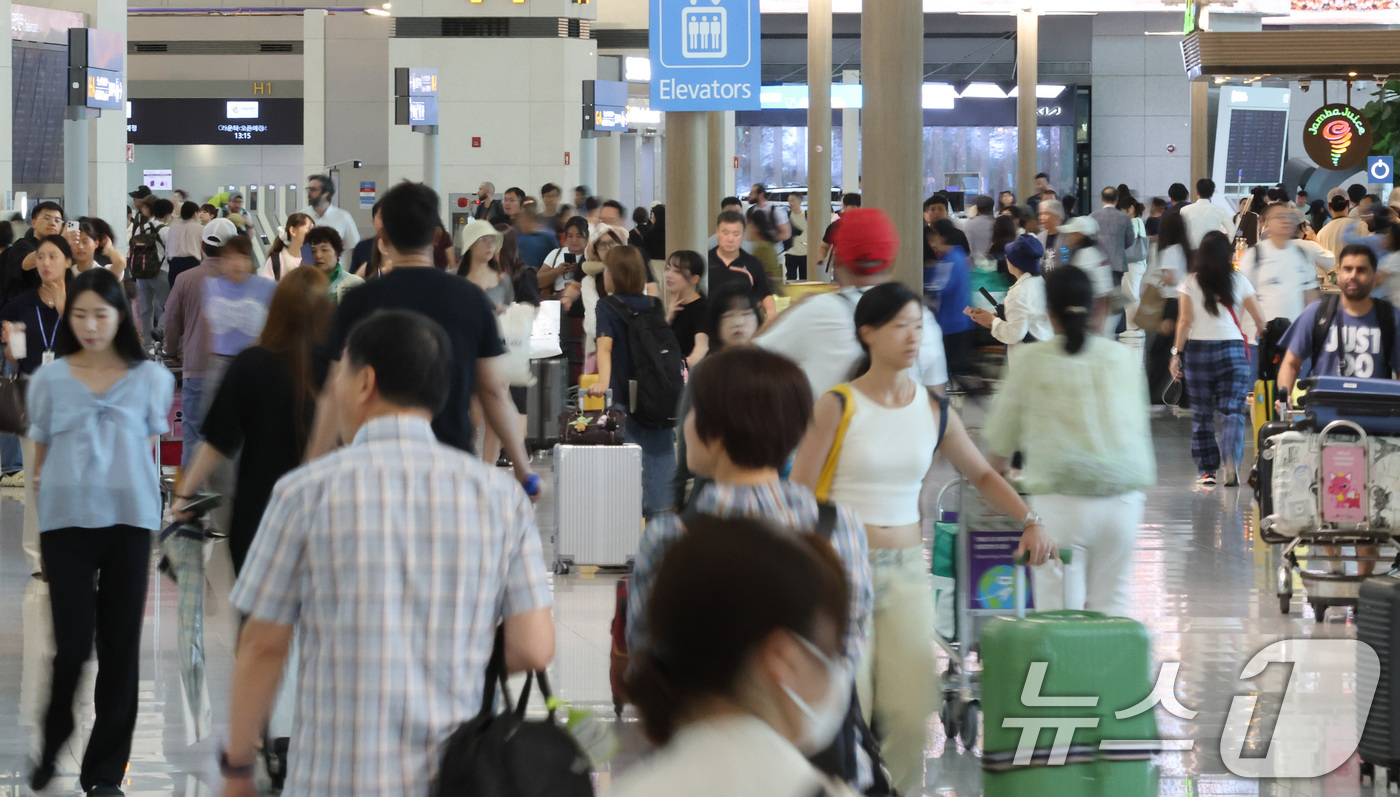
{"x":206,"y":169}
{"x":1141,"y":105}
{"x":526,"y":121}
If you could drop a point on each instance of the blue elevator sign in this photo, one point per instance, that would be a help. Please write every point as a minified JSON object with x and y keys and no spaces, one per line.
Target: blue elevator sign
{"x":705,"y":55}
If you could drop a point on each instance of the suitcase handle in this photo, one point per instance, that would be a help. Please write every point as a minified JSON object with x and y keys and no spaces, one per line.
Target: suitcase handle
{"x":1350,"y":426}
{"x":1066,"y":556}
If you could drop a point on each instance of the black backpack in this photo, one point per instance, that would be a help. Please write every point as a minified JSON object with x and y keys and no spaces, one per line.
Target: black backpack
{"x":504,"y":755}
{"x":658,"y":370}
{"x":144,"y":253}
{"x":1327,"y":309}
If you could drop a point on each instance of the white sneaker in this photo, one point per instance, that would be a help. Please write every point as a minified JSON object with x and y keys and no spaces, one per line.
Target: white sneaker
{"x":15,"y":479}
{"x":1232,"y":476}
{"x":1206,"y":480}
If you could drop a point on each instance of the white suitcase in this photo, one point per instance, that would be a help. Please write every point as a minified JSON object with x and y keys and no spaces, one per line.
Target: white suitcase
{"x":1384,"y":487}
{"x":1297,"y":459}
{"x":598,"y":505}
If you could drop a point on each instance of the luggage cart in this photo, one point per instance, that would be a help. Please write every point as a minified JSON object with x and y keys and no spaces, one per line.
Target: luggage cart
{"x":1341,"y":525}
{"x":984,"y":587}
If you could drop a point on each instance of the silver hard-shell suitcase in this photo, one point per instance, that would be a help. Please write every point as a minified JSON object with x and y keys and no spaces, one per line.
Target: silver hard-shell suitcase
{"x":598,"y":505}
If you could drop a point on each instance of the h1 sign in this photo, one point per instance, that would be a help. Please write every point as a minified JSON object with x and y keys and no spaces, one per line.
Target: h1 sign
{"x":705,"y":55}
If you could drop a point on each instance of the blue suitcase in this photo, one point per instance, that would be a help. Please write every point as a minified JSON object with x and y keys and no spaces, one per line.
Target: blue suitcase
{"x":1374,"y":404}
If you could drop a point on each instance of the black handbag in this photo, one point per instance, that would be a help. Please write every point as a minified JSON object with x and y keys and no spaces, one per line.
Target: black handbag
{"x":504,"y":755}
{"x":580,"y":427}
{"x":14,"y":418}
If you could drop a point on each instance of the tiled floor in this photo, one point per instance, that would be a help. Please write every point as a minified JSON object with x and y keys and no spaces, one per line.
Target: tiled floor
{"x":1203,"y":585}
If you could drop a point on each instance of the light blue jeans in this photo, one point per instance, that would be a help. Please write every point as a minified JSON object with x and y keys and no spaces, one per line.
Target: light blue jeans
{"x":658,"y":464}
{"x":192,"y":405}
{"x":152,"y":293}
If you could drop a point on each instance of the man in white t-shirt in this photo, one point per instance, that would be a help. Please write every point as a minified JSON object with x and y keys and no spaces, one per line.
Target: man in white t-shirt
{"x":1281,"y":271}
{"x":1203,"y":215}
{"x":820,"y":332}
{"x":320,"y":189}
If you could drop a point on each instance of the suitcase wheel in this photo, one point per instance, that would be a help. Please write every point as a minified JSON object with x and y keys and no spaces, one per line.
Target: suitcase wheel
{"x":1368,"y":772}
{"x":561,"y":568}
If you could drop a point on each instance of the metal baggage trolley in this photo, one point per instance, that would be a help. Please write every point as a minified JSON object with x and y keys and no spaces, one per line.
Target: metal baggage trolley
{"x":984,"y":587}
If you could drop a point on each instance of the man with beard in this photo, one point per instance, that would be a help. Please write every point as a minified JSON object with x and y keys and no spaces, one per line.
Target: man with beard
{"x":1355,"y":337}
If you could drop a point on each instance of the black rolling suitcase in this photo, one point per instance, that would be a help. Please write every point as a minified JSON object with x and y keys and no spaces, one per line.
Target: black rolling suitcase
{"x":1378,"y":625}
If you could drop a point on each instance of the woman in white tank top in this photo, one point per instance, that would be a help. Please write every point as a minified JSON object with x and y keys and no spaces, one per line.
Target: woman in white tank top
{"x":870,"y":446}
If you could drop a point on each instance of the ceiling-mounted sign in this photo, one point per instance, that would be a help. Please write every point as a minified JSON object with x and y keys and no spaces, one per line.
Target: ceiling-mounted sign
{"x":705,"y":55}
{"x":1337,"y":137}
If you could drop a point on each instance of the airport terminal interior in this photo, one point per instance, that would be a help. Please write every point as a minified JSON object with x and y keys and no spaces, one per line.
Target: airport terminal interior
{"x":1066,"y":191}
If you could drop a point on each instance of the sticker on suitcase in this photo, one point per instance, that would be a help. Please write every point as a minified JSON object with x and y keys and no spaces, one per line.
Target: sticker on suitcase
{"x":1344,"y":480}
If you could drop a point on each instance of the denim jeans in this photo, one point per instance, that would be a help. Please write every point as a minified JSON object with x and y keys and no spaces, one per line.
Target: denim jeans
{"x":658,"y":464}
{"x":153,"y":293}
{"x":192,"y":405}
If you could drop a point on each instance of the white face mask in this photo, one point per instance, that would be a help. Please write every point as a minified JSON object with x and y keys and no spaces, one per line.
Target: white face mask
{"x":823,"y":721}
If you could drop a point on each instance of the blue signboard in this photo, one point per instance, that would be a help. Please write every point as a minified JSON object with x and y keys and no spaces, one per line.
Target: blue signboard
{"x":1381,"y":168}
{"x":705,"y":55}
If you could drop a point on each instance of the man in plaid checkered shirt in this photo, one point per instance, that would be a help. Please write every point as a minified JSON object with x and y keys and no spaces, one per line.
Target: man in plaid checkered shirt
{"x":393,"y":559}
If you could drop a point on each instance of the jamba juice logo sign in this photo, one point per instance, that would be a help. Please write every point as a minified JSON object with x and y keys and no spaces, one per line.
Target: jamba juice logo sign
{"x":1337,"y":137}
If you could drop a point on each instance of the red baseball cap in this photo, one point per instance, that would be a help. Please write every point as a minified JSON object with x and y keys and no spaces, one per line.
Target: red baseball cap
{"x":865,"y":240}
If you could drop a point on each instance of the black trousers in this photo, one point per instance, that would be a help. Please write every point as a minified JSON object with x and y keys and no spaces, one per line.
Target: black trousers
{"x":796,"y":267}
{"x":97,"y":590}
{"x":179,"y":265}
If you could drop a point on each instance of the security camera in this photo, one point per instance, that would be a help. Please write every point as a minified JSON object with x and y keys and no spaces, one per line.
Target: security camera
{"x":357,"y":164}
{"x":1305,"y":84}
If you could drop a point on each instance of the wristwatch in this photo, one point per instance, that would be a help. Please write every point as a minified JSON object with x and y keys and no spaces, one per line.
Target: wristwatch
{"x":1031,"y":519}
{"x":231,"y":772}
{"x":1175,"y":351}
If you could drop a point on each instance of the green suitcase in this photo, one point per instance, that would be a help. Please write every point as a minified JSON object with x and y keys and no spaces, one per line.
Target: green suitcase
{"x":1084,"y":655}
{"x":1092,"y":779}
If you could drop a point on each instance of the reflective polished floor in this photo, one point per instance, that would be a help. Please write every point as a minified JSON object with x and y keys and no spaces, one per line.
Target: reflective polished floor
{"x":1203,"y":584}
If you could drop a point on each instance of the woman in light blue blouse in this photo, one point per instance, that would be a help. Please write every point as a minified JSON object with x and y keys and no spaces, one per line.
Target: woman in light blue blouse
{"x":95,"y":414}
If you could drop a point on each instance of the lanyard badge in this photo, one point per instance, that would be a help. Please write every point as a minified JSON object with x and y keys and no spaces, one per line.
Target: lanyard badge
{"x":46,"y":337}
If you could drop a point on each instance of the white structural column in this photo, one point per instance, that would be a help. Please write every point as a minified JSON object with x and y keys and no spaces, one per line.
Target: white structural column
{"x":892,"y":71}
{"x":687,"y":188}
{"x":313,"y":148}
{"x":717,"y":161}
{"x":850,"y":140}
{"x":76,"y":173}
{"x":609,"y":166}
{"x":107,"y":136}
{"x":818,"y":106}
{"x":587,"y":164}
{"x":1027,"y":75}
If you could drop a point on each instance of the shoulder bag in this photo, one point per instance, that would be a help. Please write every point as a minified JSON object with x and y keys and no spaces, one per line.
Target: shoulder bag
{"x":14,"y":417}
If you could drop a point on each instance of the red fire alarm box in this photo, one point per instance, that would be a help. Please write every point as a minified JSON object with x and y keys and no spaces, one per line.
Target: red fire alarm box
{"x":476,"y":142}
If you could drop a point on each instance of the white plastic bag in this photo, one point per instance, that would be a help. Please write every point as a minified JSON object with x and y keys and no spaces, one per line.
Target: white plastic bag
{"x":515,"y":325}
{"x":544,"y":337}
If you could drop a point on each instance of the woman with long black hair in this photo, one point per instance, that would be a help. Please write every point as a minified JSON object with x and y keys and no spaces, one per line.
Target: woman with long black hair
{"x":1075,"y":405}
{"x":1169,"y":267}
{"x":96,"y":412}
{"x":1215,"y":362}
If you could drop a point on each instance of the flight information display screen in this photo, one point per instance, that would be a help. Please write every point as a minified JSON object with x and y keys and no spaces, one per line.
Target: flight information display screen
{"x":215,"y":121}
{"x":1255,"y":151}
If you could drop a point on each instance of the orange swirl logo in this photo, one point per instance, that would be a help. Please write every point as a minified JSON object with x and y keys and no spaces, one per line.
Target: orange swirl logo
{"x":1338,"y":135}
